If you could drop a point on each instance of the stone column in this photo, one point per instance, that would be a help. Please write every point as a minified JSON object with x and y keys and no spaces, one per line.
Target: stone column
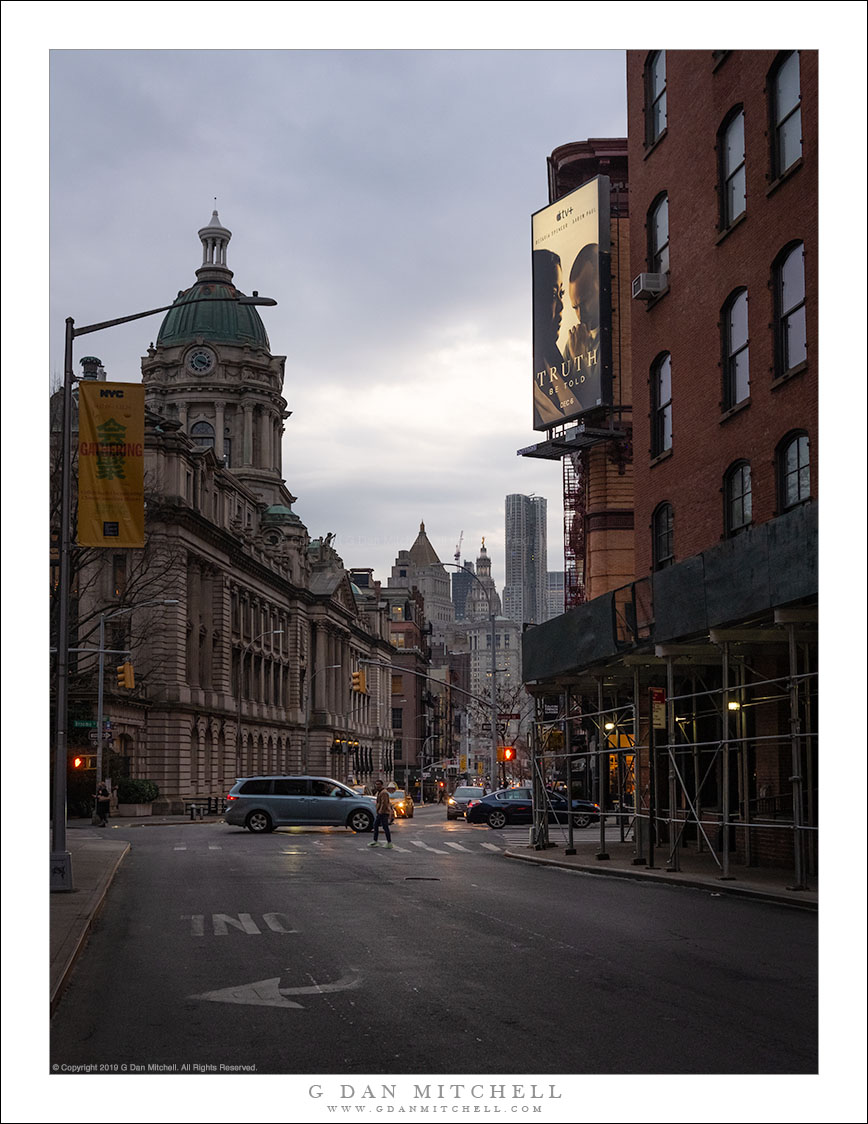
{"x":247,"y":451}
{"x":219,"y":426}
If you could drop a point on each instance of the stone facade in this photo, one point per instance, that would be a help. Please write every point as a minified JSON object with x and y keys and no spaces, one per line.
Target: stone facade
{"x":251,"y":670}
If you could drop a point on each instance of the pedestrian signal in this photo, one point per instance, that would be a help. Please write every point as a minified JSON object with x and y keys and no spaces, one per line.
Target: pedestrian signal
{"x":509,"y":753}
{"x":126,"y":675}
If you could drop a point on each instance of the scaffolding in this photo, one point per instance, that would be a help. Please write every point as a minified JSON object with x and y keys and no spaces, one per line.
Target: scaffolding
{"x":575,"y":507}
{"x":698,"y":747}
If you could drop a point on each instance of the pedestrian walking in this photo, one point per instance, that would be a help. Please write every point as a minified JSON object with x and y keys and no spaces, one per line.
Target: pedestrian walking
{"x":103,"y":802}
{"x":384,"y":812}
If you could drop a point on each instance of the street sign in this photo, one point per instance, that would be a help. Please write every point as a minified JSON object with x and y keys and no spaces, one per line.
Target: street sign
{"x":93,"y":736}
{"x":509,"y":717}
{"x":658,"y":708}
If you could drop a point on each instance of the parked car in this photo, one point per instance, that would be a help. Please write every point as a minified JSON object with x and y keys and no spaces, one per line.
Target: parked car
{"x":263,"y":803}
{"x":402,"y":804}
{"x":461,"y":799}
{"x":515,"y":806}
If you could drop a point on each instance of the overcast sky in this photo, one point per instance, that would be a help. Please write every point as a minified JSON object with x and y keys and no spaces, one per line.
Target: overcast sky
{"x":384,"y":199}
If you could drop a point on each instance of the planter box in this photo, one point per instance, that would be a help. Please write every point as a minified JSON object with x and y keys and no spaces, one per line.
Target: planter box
{"x":135,"y":809}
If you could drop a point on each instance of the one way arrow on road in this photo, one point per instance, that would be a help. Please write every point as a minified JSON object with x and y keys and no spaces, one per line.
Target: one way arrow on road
{"x":269,"y":993}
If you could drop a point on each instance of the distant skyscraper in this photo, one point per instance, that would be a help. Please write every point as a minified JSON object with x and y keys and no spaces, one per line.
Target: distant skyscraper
{"x":555,"y":593}
{"x":525,"y":591}
{"x":462,"y":580}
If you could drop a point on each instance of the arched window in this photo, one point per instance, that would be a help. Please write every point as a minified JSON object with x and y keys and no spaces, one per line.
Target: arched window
{"x":661,"y":404}
{"x":735,"y":361}
{"x":737,"y":498}
{"x":658,"y":235}
{"x":791,"y":348}
{"x":730,"y":147}
{"x":655,"y":96}
{"x":794,"y":471}
{"x":663,"y":544}
{"x":786,"y":113}
{"x":203,"y":434}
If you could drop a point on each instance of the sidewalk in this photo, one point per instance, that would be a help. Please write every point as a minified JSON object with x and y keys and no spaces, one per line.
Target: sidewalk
{"x":95,"y":861}
{"x":698,"y":870}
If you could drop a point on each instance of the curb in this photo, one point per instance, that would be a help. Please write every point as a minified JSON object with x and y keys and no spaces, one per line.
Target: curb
{"x":102,"y":890}
{"x":772,"y":897}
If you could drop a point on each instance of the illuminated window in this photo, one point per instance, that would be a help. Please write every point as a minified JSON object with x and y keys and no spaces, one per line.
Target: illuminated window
{"x":732,"y":172}
{"x":655,"y":96}
{"x":736,"y":372}
{"x":119,"y":574}
{"x":737,"y":493}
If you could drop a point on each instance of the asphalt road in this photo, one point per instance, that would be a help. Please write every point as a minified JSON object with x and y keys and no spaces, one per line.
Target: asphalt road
{"x":310,"y":952}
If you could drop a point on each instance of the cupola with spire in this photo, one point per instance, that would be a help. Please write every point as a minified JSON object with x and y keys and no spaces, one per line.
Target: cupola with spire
{"x":224,"y":320}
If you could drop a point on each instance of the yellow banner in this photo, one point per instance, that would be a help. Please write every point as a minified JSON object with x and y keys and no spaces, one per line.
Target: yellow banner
{"x":111,"y":464}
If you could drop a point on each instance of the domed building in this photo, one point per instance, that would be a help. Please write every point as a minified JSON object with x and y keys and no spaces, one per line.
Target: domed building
{"x":250,"y":670}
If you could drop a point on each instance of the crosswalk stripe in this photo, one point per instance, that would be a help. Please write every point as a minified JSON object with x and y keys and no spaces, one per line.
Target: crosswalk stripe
{"x":458,"y":847}
{"x":183,"y":847}
{"x":490,"y":847}
{"x":214,"y":847}
{"x":425,"y":847}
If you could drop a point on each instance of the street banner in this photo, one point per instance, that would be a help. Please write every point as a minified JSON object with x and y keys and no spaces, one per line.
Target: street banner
{"x":111,"y":464}
{"x":572,"y":305}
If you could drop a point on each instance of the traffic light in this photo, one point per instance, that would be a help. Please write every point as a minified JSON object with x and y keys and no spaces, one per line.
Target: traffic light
{"x":359,"y":685}
{"x":126,"y":675}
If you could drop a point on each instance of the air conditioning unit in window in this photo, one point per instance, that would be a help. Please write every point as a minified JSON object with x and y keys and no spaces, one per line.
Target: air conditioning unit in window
{"x":648,"y":285}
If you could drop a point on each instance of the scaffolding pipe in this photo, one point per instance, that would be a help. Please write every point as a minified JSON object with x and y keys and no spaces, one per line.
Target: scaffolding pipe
{"x":724,"y":804}
{"x":602,"y":747}
{"x":796,"y":778}
{"x":744,"y":757}
{"x":809,"y":756}
{"x":674,"y":862}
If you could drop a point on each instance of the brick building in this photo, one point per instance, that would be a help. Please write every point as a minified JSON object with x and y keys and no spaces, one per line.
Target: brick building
{"x":720,"y":616}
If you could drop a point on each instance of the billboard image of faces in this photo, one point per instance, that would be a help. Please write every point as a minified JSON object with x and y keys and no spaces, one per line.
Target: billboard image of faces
{"x":572,"y":306}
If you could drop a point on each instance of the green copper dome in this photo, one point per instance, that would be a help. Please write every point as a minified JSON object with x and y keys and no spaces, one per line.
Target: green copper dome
{"x":203,"y":310}
{"x":222,"y":321}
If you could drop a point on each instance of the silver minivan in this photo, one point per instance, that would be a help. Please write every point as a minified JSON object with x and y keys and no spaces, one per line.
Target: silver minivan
{"x":263,"y":803}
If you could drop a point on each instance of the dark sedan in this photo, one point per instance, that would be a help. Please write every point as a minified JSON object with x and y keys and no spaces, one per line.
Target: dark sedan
{"x":515,"y":806}
{"x":463,"y":796}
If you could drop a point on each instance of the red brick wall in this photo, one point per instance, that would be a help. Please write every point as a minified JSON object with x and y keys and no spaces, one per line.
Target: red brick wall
{"x":705,"y":269}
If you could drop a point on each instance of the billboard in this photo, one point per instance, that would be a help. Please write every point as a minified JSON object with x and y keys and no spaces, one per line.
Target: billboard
{"x":111,"y":464}
{"x":572,"y":305}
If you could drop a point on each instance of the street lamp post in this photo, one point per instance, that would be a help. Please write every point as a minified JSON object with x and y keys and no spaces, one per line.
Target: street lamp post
{"x":245,"y":648}
{"x":103,"y":617}
{"x":60,"y":860}
{"x":307,"y":693}
{"x":431,"y":737}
